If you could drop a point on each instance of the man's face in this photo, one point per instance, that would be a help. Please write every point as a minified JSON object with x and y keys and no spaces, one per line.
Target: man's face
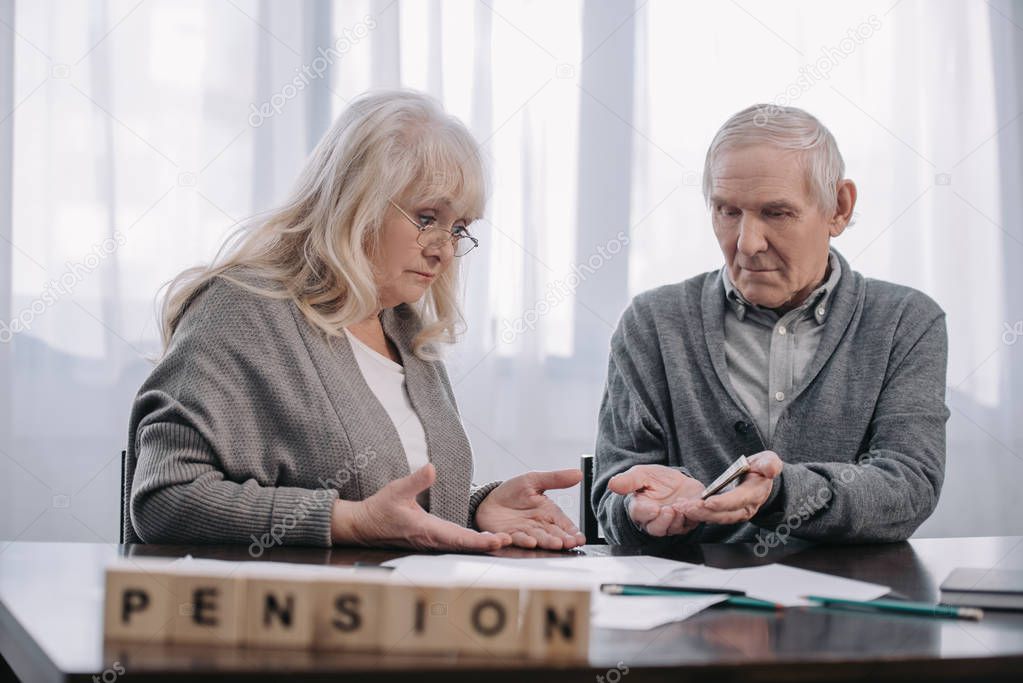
{"x":772,"y":233}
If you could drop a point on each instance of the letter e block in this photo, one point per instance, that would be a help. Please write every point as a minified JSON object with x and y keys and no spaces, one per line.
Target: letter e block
{"x":209,"y":608}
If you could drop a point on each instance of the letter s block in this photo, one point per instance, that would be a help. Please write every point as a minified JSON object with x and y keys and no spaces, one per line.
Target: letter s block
{"x":348,"y":614}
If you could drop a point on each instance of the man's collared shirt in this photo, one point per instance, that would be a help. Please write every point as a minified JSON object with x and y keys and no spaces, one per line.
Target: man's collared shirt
{"x":767,"y":353}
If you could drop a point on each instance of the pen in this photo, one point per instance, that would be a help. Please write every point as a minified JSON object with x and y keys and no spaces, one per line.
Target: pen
{"x":675,"y":591}
{"x":372,"y":565}
{"x":643,"y":589}
{"x":918,"y":608}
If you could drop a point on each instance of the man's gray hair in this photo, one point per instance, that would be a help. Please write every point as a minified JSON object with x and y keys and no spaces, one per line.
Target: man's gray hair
{"x":786,"y":128}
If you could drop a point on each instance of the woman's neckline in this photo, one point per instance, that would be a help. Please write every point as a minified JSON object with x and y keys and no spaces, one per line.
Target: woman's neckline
{"x":376,"y":355}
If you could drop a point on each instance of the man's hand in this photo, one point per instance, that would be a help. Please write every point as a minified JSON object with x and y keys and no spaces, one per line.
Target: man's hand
{"x":742,"y":502}
{"x":392,"y":517}
{"x":519,"y":508}
{"x":655,"y":489}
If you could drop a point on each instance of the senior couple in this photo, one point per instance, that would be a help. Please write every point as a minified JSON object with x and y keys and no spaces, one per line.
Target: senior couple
{"x":301,"y":393}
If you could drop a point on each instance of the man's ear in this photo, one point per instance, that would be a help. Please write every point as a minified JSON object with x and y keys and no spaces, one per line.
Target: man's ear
{"x":846,"y":202}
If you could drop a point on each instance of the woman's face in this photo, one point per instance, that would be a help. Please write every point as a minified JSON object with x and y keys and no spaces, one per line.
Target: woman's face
{"x":403,"y":268}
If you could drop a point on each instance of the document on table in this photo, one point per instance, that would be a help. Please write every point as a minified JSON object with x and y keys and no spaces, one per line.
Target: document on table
{"x":585,"y":572}
{"x":774,"y":582}
{"x":572,"y":570}
{"x":640,"y":613}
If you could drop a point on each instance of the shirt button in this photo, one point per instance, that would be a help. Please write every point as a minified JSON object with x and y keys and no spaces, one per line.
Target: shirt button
{"x":779,"y":396}
{"x":820,"y":310}
{"x":782,"y":330}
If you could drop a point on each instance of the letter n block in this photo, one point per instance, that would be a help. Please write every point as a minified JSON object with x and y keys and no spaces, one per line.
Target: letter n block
{"x":280,"y":611}
{"x":558,"y":624}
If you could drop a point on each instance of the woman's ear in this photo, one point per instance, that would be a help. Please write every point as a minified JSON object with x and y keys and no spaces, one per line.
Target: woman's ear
{"x":846,"y":202}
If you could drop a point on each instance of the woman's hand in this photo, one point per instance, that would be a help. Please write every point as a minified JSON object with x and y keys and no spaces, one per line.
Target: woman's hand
{"x":392,"y":517}
{"x":519,"y":508}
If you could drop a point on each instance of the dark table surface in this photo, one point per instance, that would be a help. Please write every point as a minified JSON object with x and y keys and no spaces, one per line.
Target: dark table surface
{"x":51,"y":624}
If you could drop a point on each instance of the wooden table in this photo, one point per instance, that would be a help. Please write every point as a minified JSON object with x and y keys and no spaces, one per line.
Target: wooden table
{"x":51,"y":625}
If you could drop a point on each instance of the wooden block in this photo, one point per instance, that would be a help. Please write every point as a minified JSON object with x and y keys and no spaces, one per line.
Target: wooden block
{"x":139,"y":602}
{"x":485,"y":621}
{"x":416,"y":619}
{"x":280,"y":611}
{"x":557,"y":624}
{"x":209,"y":607}
{"x":349,"y":612}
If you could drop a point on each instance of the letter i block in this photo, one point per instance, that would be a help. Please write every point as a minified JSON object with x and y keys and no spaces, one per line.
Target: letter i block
{"x":209,"y":607}
{"x":416,"y":619}
{"x":139,"y":603}
{"x":485,"y":621}
{"x":279,"y":611}
{"x":558,"y":624}
{"x":348,"y":613}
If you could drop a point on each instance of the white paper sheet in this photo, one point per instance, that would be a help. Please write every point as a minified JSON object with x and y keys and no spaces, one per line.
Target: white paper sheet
{"x":780,"y":583}
{"x":282,"y":569}
{"x":574,"y":571}
{"x":477,"y":571}
{"x":583,"y":570}
{"x":640,"y":613}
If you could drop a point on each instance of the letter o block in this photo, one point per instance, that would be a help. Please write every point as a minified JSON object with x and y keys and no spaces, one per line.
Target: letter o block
{"x":485,"y":621}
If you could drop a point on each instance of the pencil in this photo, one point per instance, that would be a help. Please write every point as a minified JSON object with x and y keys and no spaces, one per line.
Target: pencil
{"x":917,"y":608}
{"x":629,"y":588}
{"x":675,"y":591}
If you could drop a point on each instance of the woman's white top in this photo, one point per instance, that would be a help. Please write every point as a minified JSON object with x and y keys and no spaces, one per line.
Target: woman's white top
{"x":386,"y":379}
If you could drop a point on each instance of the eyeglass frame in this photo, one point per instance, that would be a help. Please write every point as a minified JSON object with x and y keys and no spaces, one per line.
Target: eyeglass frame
{"x":450,"y":230}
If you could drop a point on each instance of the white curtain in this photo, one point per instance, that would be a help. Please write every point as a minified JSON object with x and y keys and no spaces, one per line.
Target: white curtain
{"x":134,"y":135}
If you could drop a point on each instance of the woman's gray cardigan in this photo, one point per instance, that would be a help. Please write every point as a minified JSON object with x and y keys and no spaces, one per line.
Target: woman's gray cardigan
{"x":254,"y":421}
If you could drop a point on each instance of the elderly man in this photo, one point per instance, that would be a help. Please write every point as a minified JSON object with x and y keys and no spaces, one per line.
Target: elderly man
{"x":832,"y":383}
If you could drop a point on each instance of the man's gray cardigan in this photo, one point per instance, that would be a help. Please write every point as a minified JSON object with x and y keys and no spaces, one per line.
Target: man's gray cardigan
{"x":863,"y":440}
{"x":254,"y":422}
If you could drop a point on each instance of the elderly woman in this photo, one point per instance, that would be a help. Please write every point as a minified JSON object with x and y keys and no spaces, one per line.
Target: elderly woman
{"x":300,"y":398}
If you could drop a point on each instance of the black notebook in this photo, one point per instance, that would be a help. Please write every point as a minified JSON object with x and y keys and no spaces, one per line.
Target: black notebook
{"x":987,"y":588}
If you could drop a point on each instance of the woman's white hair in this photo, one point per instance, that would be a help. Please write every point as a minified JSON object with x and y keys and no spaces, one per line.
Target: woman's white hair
{"x":317,"y":248}
{"x":787,"y":128}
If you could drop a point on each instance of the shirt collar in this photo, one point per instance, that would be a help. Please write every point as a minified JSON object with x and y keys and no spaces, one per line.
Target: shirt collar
{"x":819,"y":299}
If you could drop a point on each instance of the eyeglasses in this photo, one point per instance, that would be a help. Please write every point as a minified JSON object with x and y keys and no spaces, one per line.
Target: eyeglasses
{"x":431,"y":235}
